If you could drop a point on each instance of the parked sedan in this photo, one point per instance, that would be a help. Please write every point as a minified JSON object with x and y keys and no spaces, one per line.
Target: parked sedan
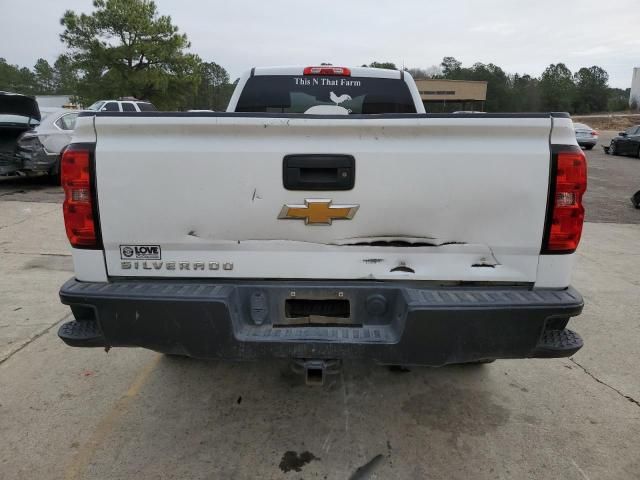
{"x":626,"y":143}
{"x":586,"y":136}
{"x":40,"y":149}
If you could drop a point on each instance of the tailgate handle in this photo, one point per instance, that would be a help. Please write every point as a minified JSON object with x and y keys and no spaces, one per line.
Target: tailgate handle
{"x":318,"y":172}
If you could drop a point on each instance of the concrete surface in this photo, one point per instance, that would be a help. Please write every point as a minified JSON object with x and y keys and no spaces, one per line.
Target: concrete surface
{"x":78,"y":413}
{"x":35,"y":260}
{"x":30,"y":189}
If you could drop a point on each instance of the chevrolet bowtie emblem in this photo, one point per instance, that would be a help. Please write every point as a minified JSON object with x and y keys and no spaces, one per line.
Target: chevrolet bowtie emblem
{"x":318,"y":212}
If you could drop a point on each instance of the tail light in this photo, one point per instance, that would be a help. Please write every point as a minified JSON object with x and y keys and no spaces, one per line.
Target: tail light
{"x":565,"y":214}
{"x":326,"y":70}
{"x":594,"y":133}
{"x":80,"y":213}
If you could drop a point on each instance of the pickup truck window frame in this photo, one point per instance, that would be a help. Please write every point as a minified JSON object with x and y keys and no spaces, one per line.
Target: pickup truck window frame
{"x":294,"y":94}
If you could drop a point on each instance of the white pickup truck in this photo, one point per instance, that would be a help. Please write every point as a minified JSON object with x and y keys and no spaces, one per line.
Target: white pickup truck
{"x":325,"y":216}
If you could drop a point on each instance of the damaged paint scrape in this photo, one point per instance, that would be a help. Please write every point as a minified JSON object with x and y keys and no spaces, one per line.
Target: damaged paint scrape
{"x":372,"y":261}
{"x":395,"y":241}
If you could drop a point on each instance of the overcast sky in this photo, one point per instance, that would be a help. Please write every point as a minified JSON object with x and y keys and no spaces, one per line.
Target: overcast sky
{"x":521,"y":36}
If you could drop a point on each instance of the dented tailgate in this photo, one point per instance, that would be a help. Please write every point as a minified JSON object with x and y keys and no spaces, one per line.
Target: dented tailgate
{"x":433,"y":197}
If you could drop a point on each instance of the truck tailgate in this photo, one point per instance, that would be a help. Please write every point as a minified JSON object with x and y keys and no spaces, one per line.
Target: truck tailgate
{"x":439,"y":198}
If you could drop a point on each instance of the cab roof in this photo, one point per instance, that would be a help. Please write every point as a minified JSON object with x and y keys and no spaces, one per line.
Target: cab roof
{"x":355,"y":71}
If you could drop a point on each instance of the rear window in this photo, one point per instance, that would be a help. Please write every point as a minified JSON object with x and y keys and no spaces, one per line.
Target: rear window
{"x":111,"y":107}
{"x":297,"y":94}
{"x":96,"y":106}
{"x":128,"y":107}
{"x":6,"y":119}
{"x":146,"y":107}
{"x":67,"y":122}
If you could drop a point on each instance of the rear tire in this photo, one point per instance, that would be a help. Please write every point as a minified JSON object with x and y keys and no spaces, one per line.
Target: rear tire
{"x":589,"y":147}
{"x":54,"y":179}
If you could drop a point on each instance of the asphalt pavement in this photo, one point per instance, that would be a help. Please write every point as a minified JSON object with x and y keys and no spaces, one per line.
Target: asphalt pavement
{"x":83,"y":413}
{"x":612,"y":181}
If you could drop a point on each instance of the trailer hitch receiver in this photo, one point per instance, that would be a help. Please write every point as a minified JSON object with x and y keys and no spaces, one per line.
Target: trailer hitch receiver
{"x":316,"y":370}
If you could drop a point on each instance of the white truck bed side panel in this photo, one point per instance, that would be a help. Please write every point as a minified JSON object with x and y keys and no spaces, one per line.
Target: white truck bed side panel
{"x":84,"y":131}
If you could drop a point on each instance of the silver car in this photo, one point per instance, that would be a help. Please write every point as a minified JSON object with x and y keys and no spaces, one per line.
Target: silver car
{"x":40,"y":149}
{"x":586,"y":136}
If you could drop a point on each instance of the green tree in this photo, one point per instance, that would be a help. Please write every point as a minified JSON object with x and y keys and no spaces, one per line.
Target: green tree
{"x":44,"y":76}
{"x":498,"y":87}
{"x":618,"y":99}
{"x":65,"y":76}
{"x":592,"y":90}
{"x":450,"y":67}
{"x":389,"y":65}
{"x":214,"y":89}
{"x":557,"y":89}
{"x":125,"y":48}
{"x":525,"y":93}
{"x":8,"y":75}
{"x":16,"y":79}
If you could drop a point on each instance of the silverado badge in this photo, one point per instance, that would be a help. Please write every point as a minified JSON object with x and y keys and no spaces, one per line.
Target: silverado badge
{"x":318,"y":211}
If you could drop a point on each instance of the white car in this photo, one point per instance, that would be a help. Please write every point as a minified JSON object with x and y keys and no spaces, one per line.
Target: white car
{"x":122,"y":106}
{"x":324,"y":217}
{"x":40,"y":148}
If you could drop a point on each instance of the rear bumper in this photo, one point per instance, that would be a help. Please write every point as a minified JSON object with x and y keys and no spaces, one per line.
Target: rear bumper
{"x":397,"y":323}
{"x":9,"y":164}
{"x":38,"y":161}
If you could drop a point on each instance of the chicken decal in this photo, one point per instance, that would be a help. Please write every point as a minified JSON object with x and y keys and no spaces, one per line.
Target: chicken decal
{"x":339,"y":99}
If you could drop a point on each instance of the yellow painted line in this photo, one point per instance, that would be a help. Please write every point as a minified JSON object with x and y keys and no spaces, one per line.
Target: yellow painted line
{"x":80,"y":462}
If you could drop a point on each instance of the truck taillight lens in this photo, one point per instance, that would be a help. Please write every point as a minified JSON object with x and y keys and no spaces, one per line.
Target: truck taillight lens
{"x":565,"y":214}
{"x":78,"y":208}
{"x":328,"y":71}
